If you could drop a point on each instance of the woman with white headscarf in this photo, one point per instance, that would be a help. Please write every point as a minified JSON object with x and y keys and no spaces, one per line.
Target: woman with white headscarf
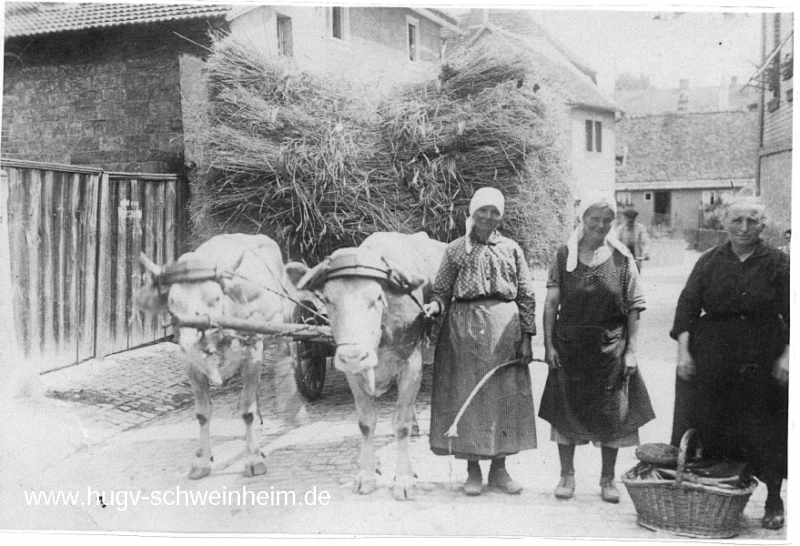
{"x":485,"y":289}
{"x":594,"y":391}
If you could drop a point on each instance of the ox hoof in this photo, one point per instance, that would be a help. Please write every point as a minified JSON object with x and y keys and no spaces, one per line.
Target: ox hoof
{"x":403,"y":488}
{"x":364,"y":486}
{"x":257,"y":469}
{"x":198,"y":472}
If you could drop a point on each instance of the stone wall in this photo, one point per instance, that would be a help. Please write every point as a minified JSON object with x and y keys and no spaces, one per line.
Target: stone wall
{"x":106,"y":98}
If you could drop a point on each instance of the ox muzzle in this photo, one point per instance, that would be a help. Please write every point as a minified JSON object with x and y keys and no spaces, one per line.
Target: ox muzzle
{"x":358,"y":360}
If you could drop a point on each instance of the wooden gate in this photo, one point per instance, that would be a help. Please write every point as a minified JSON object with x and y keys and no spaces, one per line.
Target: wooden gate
{"x":140,"y":213}
{"x":75,"y":234}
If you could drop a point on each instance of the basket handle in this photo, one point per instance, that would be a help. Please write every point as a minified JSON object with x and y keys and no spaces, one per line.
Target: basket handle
{"x":683,"y":454}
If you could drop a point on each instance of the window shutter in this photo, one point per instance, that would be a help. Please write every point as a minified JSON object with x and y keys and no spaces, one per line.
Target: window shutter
{"x":589,"y":135}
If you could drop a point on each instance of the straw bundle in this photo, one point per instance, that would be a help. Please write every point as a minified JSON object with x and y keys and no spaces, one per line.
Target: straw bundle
{"x":317,"y":166}
{"x":291,"y":156}
{"x":484,"y":125}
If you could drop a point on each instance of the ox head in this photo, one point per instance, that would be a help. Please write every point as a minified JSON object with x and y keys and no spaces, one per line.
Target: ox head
{"x":195,"y":288}
{"x":353,"y":283}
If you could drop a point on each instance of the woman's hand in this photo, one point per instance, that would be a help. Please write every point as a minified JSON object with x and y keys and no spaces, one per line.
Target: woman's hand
{"x":551,"y":357}
{"x":524,"y":351}
{"x":780,"y":370}
{"x":631,"y":364}
{"x":686,"y":367}
{"x":432,"y":309}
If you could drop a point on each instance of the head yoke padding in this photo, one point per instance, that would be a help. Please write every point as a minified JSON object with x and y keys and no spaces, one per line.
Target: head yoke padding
{"x":358,"y":262}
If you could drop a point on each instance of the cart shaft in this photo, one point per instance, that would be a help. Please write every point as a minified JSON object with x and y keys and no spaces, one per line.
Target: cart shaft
{"x":298,"y":332}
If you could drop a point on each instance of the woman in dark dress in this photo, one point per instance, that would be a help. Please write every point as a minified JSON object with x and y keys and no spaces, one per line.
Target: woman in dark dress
{"x":594,"y":391}
{"x":485,"y":289}
{"x":732,"y":327}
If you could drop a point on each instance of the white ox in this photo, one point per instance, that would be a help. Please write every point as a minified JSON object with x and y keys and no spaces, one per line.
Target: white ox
{"x":250,"y":281}
{"x":373,"y":296}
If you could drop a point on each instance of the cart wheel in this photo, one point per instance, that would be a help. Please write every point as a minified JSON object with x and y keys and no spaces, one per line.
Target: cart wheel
{"x":310,"y":368}
{"x":311,"y":358}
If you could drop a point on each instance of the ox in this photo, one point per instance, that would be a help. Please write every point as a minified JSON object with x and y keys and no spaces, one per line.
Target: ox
{"x":234,"y":275}
{"x":373,"y":295}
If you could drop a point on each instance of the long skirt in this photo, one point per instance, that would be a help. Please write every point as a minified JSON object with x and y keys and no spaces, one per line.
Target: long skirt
{"x":500,"y":420}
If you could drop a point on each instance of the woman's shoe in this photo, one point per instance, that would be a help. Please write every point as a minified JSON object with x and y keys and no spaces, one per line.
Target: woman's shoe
{"x":566,"y":487}
{"x":773,"y":516}
{"x":499,"y":479}
{"x":474,"y":484}
{"x":608,"y":490}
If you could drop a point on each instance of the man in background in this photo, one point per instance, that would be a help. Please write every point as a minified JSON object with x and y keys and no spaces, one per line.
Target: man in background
{"x":634,"y":235}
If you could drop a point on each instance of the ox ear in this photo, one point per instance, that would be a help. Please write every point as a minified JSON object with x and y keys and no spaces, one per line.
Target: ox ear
{"x":151,"y":298}
{"x":315,"y":277}
{"x":402,"y":279}
{"x":295,"y":271}
{"x":240,"y":291}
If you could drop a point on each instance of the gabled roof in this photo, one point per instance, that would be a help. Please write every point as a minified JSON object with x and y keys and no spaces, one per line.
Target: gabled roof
{"x":439,"y":17}
{"x":520,"y":22}
{"x":35,"y":18}
{"x":682,"y":147}
{"x":552,"y":64}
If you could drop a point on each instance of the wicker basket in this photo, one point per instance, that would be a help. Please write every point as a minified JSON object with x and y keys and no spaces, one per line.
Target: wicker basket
{"x":685,"y":508}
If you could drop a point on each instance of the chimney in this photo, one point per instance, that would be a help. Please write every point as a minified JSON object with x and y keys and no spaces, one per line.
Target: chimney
{"x":722,"y":95}
{"x":485,"y":16}
{"x":734,"y":81}
{"x":683,"y":96}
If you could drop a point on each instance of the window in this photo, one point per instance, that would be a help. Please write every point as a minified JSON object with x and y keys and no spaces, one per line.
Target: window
{"x":285,"y":35}
{"x":648,"y":196}
{"x":589,"y":135}
{"x":598,"y":136}
{"x":412,"y":26}
{"x":594,"y":136}
{"x":339,"y":23}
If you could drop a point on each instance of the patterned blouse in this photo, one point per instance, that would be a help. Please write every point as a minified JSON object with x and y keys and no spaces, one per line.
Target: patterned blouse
{"x":635,"y":294}
{"x":495,"y":269}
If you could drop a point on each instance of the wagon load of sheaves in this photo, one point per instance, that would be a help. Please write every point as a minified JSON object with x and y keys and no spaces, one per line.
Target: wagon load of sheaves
{"x":319,"y":164}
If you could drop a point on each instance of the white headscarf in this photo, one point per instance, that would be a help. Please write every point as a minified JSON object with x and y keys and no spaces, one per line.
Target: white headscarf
{"x":482,"y":198}
{"x":587,"y":202}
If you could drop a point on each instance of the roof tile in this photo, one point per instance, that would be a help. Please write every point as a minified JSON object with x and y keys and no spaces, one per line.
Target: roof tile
{"x":694,"y":146}
{"x":35,"y":18}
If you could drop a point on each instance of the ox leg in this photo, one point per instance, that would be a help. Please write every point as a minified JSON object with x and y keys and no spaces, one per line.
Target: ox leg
{"x":367,"y":420}
{"x":408,"y":382}
{"x":201,"y":467}
{"x":251,"y":377}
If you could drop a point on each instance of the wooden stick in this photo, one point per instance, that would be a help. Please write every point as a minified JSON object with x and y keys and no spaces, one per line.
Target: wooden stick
{"x":298,"y":332}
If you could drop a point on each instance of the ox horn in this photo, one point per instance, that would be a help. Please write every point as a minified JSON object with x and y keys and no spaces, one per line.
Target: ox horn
{"x":314,"y":276}
{"x":238,"y":262}
{"x":149,"y":265}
